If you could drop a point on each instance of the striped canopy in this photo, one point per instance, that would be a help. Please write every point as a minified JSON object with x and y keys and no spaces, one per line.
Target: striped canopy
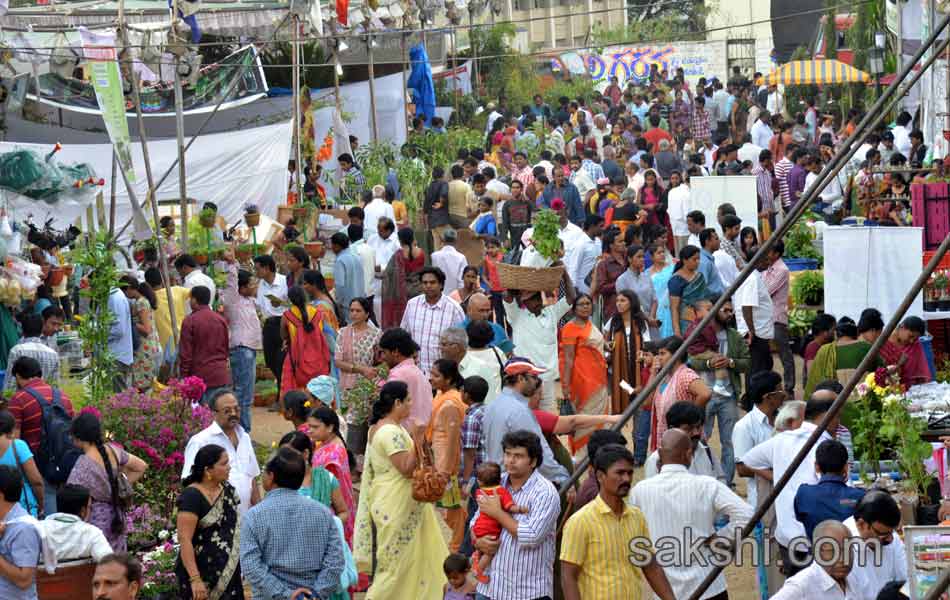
{"x":818,"y":71}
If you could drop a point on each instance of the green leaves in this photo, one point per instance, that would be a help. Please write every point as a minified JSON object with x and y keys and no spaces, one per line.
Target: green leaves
{"x":96,"y":257}
{"x":547,"y":224}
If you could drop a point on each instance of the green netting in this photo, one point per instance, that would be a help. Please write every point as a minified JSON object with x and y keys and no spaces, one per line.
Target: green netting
{"x":28,"y":173}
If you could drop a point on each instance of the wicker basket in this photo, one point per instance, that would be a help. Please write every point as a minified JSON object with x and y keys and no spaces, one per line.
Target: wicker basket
{"x":529,"y":279}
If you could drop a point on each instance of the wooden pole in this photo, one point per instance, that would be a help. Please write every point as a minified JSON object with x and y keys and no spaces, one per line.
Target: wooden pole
{"x":180,"y":139}
{"x":372,"y":87}
{"x":297,"y":116}
{"x":112,"y":202}
{"x":455,"y":88}
{"x":471,"y":41}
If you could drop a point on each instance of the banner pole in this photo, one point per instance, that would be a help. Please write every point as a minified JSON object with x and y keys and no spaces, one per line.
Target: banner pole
{"x":372,"y":86}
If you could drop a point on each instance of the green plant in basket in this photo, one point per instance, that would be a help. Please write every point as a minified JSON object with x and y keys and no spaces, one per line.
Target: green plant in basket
{"x":547,"y":225}
{"x":798,"y":243}
{"x":808,"y":289}
{"x":800,"y":321}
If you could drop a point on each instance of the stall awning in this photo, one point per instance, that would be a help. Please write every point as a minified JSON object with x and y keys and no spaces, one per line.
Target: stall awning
{"x":818,"y":71}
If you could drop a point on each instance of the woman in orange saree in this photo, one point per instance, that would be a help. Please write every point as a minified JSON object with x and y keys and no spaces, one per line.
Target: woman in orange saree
{"x":583,"y":369}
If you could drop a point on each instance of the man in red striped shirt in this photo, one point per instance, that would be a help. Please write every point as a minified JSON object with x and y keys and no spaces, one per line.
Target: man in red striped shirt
{"x":24,"y":407}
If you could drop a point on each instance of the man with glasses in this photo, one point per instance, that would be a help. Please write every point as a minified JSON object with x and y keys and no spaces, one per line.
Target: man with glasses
{"x":732,"y":357}
{"x":874,"y":524}
{"x":688,"y":418}
{"x":226,"y":431}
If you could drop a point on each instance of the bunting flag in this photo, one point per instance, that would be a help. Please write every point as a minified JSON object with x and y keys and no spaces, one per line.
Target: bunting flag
{"x":343,"y":11}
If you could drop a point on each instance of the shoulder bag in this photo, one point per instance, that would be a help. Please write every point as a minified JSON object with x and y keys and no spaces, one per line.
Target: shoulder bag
{"x":428,"y":484}
{"x":29,"y":506}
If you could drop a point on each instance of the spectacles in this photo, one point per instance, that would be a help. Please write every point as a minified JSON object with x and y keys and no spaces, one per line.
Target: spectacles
{"x":780,"y":393}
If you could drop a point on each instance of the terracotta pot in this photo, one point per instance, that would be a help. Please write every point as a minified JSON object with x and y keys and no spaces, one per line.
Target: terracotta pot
{"x":242,"y":254}
{"x":56,"y":275}
{"x":314,"y":249}
{"x":206,"y":221}
{"x":252,"y":219}
{"x":70,"y":582}
{"x":68,"y":270}
{"x":201,"y":259}
{"x":284,"y":214}
{"x":301,"y":212}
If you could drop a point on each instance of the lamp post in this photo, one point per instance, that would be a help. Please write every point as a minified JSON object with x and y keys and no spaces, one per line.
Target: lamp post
{"x":876,"y":60}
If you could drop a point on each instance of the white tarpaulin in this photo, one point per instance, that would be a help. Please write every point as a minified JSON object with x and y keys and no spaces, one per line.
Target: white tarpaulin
{"x":871,"y":267}
{"x":229,"y":169}
{"x":707,"y":193}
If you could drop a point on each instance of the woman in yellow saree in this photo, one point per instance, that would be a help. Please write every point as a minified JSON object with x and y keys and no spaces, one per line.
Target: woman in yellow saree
{"x":583,"y":369}
{"x":398,"y":540}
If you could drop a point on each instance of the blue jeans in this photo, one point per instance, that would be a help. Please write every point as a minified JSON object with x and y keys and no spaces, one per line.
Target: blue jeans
{"x":49,"y":501}
{"x":243,"y":375}
{"x":724,"y":410}
{"x":641,"y":437}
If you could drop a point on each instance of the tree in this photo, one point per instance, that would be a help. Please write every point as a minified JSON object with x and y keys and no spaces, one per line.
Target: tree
{"x":691,"y":12}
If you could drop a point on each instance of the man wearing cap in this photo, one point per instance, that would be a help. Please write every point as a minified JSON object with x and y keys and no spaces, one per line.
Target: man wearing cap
{"x":534,"y":331}
{"x":451,"y":261}
{"x":509,"y":411}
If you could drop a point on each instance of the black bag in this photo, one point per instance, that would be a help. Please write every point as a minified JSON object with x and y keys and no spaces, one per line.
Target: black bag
{"x":136,"y":336}
{"x":57,"y":454}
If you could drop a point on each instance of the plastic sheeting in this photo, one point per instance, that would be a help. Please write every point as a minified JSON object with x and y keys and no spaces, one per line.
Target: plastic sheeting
{"x":229,"y":169}
{"x":420,"y":83}
{"x":871,"y":267}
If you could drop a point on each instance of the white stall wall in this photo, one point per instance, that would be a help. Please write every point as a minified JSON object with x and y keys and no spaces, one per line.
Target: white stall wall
{"x":871,"y":267}
{"x":707,"y":193}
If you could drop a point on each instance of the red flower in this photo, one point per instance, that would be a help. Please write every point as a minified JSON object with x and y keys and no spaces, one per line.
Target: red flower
{"x":880,"y":377}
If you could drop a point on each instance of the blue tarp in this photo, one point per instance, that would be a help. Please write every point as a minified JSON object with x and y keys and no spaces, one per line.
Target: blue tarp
{"x":421,"y":84}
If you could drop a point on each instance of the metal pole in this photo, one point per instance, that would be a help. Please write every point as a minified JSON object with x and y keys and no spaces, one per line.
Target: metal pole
{"x":372,"y":88}
{"x":150,"y":195}
{"x":405,"y":84}
{"x":471,"y":42}
{"x":112,"y":200}
{"x":180,"y":136}
{"x":878,"y":113}
{"x":296,"y":79}
{"x":942,"y":584}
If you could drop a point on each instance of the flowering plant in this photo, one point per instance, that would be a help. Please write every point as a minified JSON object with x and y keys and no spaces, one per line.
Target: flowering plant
{"x":156,"y":427}
{"x":158,"y":570}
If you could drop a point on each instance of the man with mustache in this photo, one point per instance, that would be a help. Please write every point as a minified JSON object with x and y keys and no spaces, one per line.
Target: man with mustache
{"x":599,"y":537}
{"x":686,"y":531}
{"x":226,"y":431}
{"x":875,"y":522}
{"x":117,"y":577}
{"x":688,"y":418}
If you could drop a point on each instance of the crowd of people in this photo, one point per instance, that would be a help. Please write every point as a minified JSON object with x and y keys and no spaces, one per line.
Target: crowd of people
{"x":415,"y":368}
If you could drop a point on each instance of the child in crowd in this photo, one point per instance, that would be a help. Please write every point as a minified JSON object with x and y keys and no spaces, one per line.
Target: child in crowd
{"x":484,"y":223}
{"x":494,"y":254}
{"x":460,"y":586}
{"x":706,"y":347}
{"x":489,"y":484}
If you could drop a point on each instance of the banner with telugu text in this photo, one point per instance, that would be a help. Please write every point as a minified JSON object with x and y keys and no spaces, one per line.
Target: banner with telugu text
{"x":99,"y":50}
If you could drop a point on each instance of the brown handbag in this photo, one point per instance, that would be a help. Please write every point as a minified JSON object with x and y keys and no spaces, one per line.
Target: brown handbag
{"x":428,"y":484}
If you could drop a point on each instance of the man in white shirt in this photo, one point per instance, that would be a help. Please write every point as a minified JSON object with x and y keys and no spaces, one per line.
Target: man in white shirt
{"x":378,"y":208}
{"x":695,"y":518}
{"x":192,"y":276}
{"x":493,"y":114}
{"x":494,"y":187}
{"x":772,"y":458}
{"x":695,"y":223}
{"x":678,"y":209}
{"x":756,"y":426}
{"x":226,"y":431}
{"x":756,"y":321}
{"x":271,"y":301}
{"x":881,"y":555}
{"x":832,"y":577}
{"x":366,"y":253}
{"x":451,"y":261}
{"x":902,"y":134}
{"x":762,"y":130}
{"x":749,"y":150}
{"x":775,"y":103}
{"x":66,"y":534}
{"x":588,"y":253}
{"x":534,"y":332}
{"x":384,"y":243}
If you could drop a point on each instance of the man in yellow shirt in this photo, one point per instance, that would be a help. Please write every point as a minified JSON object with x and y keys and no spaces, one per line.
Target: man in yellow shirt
{"x":606,"y":551}
{"x":162,"y":314}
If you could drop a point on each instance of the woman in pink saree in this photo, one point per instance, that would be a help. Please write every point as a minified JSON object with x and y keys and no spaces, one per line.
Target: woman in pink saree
{"x":904,"y":351}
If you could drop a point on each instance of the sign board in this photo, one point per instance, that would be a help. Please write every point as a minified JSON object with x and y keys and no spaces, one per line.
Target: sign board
{"x":633,"y":62}
{"x":928,"y":554}
{"x":389,"y":47}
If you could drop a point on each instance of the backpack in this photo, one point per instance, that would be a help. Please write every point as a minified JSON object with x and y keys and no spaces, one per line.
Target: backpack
{"x":57,"y":453}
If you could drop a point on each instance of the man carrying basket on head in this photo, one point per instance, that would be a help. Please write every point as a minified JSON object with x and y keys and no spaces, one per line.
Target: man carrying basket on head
{"x":535,"y":328}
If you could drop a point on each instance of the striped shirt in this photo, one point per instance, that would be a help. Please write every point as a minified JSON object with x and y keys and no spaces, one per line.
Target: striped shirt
{"x":426,"y":322}
{"x":782,"y":169}
{"x":472,"y":438}
{"x":35,"y":348}
{"x":241,"y":313}
{"x":686,"y":522}
{"x":599,"y":542}
{"x":763,"y":187}
{"x":523,"y":568}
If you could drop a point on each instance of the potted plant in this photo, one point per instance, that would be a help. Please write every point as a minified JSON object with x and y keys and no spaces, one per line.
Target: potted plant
{"x":940,"y":283}
{"x":301,"y":211}
{"x":207,"y":217}
{"x":808,"y":289}
{"x":251,"y":215}
{"x":314,"y":249}
{"x":243,"y":252}
{"x":931,"y":297}
{"x":799,"y":325}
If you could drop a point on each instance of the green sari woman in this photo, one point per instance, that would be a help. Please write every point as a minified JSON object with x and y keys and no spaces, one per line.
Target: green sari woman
{"x":687,"y":286}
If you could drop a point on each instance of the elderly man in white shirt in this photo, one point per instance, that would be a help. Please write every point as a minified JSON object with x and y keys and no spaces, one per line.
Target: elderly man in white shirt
{"x":66,"y":535}
{"x":378,"y":208}
{"x":385,"y":243}
{"x":832,"y":577}
{"x":192,"y":276}
{"x":451,"y":261}
{"x":670,"y":521}
{"x":882,"y":558}
{"x":226,"y":431}
{"x":772,"y":458}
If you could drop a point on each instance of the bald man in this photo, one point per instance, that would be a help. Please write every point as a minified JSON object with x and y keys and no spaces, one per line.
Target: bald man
{"x":830,"y":576}
{"x":677,"y":525}
{"x":480,"y":309}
